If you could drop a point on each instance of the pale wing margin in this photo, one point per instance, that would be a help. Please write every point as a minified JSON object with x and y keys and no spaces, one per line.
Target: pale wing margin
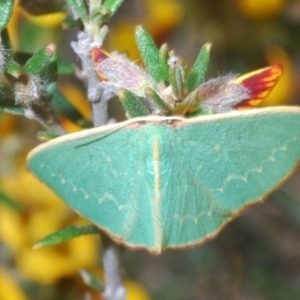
{"x":219,"y":167}
{"x":99,"y":177}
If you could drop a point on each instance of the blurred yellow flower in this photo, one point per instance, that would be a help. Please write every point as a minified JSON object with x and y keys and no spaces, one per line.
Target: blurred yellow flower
{"x":47,"y":265}
{"x":159,"y":18}
{"x":43,"y":214}
{"x":49,"y":20}
{"x":259,"y":9}
{"x":7,"y":123}
{"x":77,"y":97}
{"x":21,"y":23}
{"x":12,"y":26}
{"x":9,"y":290}
{"x":162,"y":17}
{"x":136,"y":291}
{"x":125,"y":42}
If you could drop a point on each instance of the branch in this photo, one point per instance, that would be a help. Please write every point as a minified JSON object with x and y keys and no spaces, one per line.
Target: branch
{"x":114,"y":289}
{"x":99,"y":96}
{"x":36,"y":113}
{"x":96,"y":94}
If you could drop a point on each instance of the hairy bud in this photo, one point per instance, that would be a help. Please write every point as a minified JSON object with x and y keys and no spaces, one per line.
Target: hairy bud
{"x":28,"y":90}
{"x":2,"y":58}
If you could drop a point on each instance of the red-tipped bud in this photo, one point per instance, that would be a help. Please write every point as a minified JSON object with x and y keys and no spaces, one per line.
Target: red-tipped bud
{"x":259,"y":84}
{"x":98,"y":56}
{"x":118,"y":71}
{"x":228,"y":92}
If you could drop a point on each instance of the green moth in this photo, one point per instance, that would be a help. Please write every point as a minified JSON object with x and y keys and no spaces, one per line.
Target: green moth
{"x":169,"y":182}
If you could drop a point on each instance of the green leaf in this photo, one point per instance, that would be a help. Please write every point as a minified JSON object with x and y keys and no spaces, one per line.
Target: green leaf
{"x":91,"y":280}
{"x":6,"y":8}
{"x":155,"y":66}
{"x":46,"y":135}
{"x":13,"y":68}
{"x":164,"y":55}
{"x":7,"y":103}
{"x":161,"y":182}
{"x":65,"y":67}
{"x":65,"y":234}
{"x":80,"y":8}
{"x":70,"y":22}
{"x":85,"y":123}
{"x":61,"y":104}
{"x":10,"y":202}
{"x":41,"y":60}
{"x":153,"y":97}
{"x":5,"y":94}
{"x":100,"y":11}
{"x":132,"y":104}
{"x":177,"y":75}
{"x":112,"y":5}
{"x":14,"y":110}
{"x":6,"y":41}
{"x":199,"y":69}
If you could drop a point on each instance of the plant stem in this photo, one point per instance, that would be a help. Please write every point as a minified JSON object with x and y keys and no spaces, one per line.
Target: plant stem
{"x":95,"y":93}
{"x":114,"y":289}
{"x":35,"y":113}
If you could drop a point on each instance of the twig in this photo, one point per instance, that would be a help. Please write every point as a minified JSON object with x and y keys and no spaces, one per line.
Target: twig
{"x":35,"y":113}
{"x":114,"y":289}
{"x":96,"y":94}
{"x":99,"y":96}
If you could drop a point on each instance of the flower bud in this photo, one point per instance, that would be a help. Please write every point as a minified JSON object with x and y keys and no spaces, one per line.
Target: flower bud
{"x":28,"y":90}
